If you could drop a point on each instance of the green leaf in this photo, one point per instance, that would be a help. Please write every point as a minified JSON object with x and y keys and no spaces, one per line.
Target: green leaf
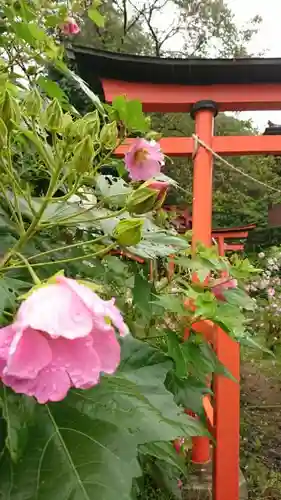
{"x":188,"y":392}
{"x":166,"y":452}
{"x":142,"y":294}
{"x":114,"y":190}
{"x":51,"y":88}
{"x":130,"y":113}
{"x":22,"y":31}
{"x":37,"y":33}
{"x":206,"y":305}
{"x":71,"y":456}
{"x":18,"y":412}
{"x":96,"y":17}
{"x":135,"y":397}
{"x":135,"y":117}
{"x":10,"y":289}
{"x":78,"y":444}
{"x":230,"y":318}
{"x":82,"y":85}
{"x":238,"y":297}
{"x":172,"y":304}
{"x":202,"y":360}
{"x":176,"y":353}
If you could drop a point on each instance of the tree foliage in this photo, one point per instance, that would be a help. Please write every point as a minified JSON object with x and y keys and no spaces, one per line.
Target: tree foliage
{"x":183,"y":28}
{"x":196,"y":29}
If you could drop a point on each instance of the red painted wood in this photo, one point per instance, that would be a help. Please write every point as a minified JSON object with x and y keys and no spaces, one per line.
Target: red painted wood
{"x":223,"y":145}
{"x":202,"y":224}
{"x":202,"y":181}
{"x":209,"y":410}
{"x":227,"y":419}
{"x":221,"y":245}
{"x":230,"y":234}
{"x":234,"y":247}
{"x":179,"y":98}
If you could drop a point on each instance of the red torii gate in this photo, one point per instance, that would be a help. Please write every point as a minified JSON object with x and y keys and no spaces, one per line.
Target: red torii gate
{"x":201,"y":87}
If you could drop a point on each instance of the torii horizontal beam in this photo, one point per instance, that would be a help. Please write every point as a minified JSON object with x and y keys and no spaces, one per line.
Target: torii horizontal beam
{"x":180,"y":98}
{"x":222,"y":145}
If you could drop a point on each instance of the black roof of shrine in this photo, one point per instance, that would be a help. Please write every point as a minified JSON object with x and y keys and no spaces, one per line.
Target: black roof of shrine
{"x":93,"y":64}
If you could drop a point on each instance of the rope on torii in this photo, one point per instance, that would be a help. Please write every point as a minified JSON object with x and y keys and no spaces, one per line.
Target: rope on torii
{"x":198,"y":141}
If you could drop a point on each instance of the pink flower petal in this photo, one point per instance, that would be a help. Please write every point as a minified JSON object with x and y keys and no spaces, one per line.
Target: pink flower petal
{"x":96,"y":305}
{"x":55,"y":310}
{"x":90,"y":299}
{"x":116,"y":317}
{"x":52,"y":384}
{"x":144,"y":159}
{"x":108,"y":349}
{"x":29,"y":353}
{"x":79,"y":359}
{"x":7,"y":334}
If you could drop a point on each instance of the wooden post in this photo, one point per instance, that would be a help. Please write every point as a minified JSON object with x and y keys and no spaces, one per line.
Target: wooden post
{"x":227,"y":421}
{"x":221,"y":246}
{"x":203,"y":112}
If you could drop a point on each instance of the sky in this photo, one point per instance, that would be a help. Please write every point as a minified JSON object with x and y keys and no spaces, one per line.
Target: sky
{"x":267,"y":40}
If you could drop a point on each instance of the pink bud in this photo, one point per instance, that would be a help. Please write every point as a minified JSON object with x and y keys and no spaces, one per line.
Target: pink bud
{"x":160,"y":186}
{"x":220,"y":287}
{"x":70,"y":27}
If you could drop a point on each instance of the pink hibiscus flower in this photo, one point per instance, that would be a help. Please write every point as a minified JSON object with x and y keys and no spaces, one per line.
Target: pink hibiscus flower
{"x":63,"y":336}
{"x":221,"y":287}
{"x":144,"y":160}
{"x":70,"y":27}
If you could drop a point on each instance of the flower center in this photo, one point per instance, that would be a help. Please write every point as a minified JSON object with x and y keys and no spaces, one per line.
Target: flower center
{"x":140,"y":155}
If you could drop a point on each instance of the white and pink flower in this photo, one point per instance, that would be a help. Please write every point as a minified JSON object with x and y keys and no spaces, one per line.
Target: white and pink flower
{"x":144,"y":160}
{"x":63,"y":336}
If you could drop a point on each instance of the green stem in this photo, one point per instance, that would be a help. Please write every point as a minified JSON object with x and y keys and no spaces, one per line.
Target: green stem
{"x":66,"y":247}
{"x":10,"y":205}
{"x":33,"y":274}
{"x":36,"y":219}
{"x":66,"y":219}
{"x":16,"y":201}
{"x":71,"y":259}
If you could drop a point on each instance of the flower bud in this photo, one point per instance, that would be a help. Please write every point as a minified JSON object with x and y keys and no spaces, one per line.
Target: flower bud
{"x":33,"y":103}
{"x":153,"y":136}
{"x":54,"y":116}
{"x":92,"y":124}
{"x":10,"y":111}
{"x":83,"y":155}
{"x":128,"y":232}
{"x":67,"y":123}
{"x":109,"y":135}
{"x":3,"y":134}
{"x":142,"y":200}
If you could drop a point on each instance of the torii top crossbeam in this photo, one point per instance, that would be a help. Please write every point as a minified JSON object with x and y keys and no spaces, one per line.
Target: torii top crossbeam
{"x":175,"y":85}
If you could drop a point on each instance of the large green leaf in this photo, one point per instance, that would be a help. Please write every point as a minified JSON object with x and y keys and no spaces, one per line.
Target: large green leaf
{"x":188,"y":392}
{"x":18,"y":413}
{"x":238,"y":297}
{"x":72,"y":457}
{"x":176,"y":353}
{"x":142,"y":294}
{"x":166,"y":452}
{"x":86,"y":447}
{"x":136,"y":397}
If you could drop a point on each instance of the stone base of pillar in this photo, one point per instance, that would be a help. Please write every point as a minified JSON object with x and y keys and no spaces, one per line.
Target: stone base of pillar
{"x":199,"y":485}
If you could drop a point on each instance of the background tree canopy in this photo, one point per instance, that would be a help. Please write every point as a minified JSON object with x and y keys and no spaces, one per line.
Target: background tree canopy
{"x":190,"y":28}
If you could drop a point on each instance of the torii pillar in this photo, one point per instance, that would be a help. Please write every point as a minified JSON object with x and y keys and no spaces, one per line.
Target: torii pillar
{"x":202,"y":87}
